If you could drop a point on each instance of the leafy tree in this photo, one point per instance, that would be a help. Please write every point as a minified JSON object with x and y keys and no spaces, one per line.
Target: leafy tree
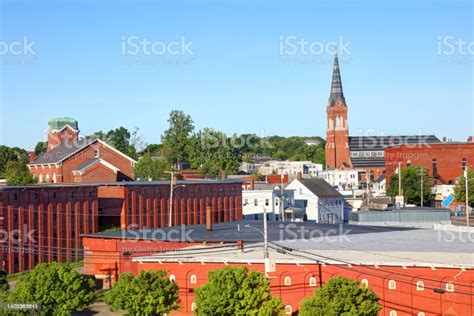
{"x":177,"y":137}
{"x":11,"y":154}
{"x":149,"y":293}
{"x":150,"y":168}
{"x":41,"y":148}
{"x":341,"y":296}
{"x":17,"y":173}
{"x":234,"y":291}
{"x":460,"y":187}
{"x":411,"y":184}
{"x":119,"y":138}
{"x":280,"y":155}
{"x":59,"y":289}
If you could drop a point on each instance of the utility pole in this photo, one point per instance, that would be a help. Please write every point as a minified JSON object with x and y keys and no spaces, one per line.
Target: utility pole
{"x":399,"y":178}
{"x":421,"y":195}
{"x":172,"y":173}
{"x":467,"y":196}
{"x":282,"y":193}
{"x":265,"y":234}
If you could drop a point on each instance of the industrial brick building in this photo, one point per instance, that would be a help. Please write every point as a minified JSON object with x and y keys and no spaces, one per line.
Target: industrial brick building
{"x":430,"y":275}
{"x":45,"y":223}
{"x":445,"y":161}
{"x":360,"y":152}
{"x":70,"y":159}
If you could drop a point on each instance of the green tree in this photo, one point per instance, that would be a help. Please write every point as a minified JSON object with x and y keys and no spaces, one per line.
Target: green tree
{"x":59,"y":289}
{"x":11,"y":154}
{"x":148,"y":168}
{"x":341,"y":296}
{"x":120,"y":139}
{"x":177,"y":137}
{"x":460,"y":188}
{"x":411,"y":184}
{"x":149,"y":293}
{"x":234,"y":291}
{"x":17,"y":173}
{"x":41,"y":148}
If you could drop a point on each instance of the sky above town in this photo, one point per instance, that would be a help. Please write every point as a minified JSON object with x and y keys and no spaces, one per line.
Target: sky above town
{"x":260,"y":67}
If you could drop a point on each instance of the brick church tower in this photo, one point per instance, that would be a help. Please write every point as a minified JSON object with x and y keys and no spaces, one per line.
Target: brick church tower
{"x":61,"y":130}
{"x":337,"y":131}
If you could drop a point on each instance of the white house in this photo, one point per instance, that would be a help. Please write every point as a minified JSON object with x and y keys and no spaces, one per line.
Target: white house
{"x":379,"y":186}
{"x":324,"y":203}
{"x":307,"y":169}
{"x":342,"y":179}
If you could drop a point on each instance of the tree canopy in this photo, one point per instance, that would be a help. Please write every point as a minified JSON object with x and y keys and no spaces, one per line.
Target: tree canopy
{"x":177,"y":137}
{"x":17,"y":173}
{"x":235,"y":291}
{"x":59,"y":289}
{"x":341,"y":296}
{"x":460,"y":188}
{"x":11,"y":154}
{"x":149,"y":293}
{"x":411,"y":184}
{"x":150,"y":168}
{"x":41,"y":148}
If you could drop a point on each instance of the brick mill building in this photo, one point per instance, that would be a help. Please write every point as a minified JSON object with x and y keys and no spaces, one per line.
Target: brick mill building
{"x":445,"y":161}
{"x":45,"y":223}
{"x":70,"y":159}
{"x":415,"y":278}
{"x":359,"y":152}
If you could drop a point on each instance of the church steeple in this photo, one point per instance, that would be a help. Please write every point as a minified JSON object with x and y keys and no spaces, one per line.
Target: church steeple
{"x":336,"y":85}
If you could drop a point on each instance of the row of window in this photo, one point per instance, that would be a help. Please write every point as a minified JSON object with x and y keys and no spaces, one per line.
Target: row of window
{"x":367,"y":154}
{"x":255,"y":202}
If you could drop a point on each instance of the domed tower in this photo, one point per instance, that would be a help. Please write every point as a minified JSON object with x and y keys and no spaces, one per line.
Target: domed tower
{"x":337,"y":130}
{"x":61,"y":130}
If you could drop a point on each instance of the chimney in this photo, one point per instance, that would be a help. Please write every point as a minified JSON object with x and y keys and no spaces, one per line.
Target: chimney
{"x":252,"y":184}
{"x":209,"y":219}
{"x":223,"y":175}
{"x":31,"y":156}
{"x":445,"y":139}
{"x":240,"y":245}
{"x":470,"y":139}
{"x":299,"y":176}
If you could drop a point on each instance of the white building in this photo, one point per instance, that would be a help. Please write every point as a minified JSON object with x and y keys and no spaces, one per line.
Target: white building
{"x":324,"y":203}
{"x":307,"y":169}
{"x":267,"y":197}
{"x":342,"y":179}
{"x":379,"y":186}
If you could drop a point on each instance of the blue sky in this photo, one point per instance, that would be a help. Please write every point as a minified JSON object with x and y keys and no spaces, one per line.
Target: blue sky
{"x":237,"y":79}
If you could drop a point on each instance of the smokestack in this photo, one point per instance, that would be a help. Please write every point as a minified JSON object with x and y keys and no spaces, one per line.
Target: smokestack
{"x":209,"y":218}
{"x":445,"y":139}
{"x":299,"y":176}
{"x":470,"y":139}
{"x":252,"y":184}
{"x":31,"y":156}
{"x":223,"y":175}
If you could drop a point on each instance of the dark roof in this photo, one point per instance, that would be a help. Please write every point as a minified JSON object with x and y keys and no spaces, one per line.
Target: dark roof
{"x":61,"y":152}
{"x":336,"y":84}
{"x":87,"y":164}
{"x":378,"y":143}
{"x":380,"y":179}
{"x":321,"y":188}
{"x":247,"y":231}
{"x":59,"y":123}
{"x":368,"y":162}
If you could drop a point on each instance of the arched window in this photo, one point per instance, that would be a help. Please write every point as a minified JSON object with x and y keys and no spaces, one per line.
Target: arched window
{"x":172,"y":277}
{"x":365,"y":282}
{"x":421,"y":314}
{"x":392,"y":285}
{"x":193,"y":279}
{"x":193,"y":306}
{"x":47,"y":177}
{"x":393,"y":313}
{"x":287,"y":281}
{"x":54,"y":177}
{"x":312,"y":281}
{"x":41,"y":178}
{"x":449,"y":287}
{"x":420,"y":286}
{"x":288,"y":310}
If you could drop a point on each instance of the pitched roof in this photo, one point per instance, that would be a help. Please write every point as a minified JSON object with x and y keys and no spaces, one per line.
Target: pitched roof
{"x":61,"y":152}
{"x":336,"y":84}
{"x":321,"y":188}
{"x":378,"y":143}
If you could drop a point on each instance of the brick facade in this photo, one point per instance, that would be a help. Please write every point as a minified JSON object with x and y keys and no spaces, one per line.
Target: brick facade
{"x":444,"y":161}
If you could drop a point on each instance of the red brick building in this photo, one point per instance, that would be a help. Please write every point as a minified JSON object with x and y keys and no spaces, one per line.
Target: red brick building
{"x":408,"y":283}
{"x":357,"y":152}
{"x":45,"y":223}
{"x":70,"y":159}
{"x":445,"y":161}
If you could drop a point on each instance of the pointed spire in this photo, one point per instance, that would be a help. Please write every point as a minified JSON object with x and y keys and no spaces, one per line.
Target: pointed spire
{"x":336,"y":85}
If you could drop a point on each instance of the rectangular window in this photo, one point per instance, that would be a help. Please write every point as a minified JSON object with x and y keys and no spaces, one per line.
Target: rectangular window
{"x":464,"y":164}
{"x":255,"y":202}
{"x":246,"y":202}
{"x":435,"y":167}
{"x":276,"y":202}
{"x":267,"y":202}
